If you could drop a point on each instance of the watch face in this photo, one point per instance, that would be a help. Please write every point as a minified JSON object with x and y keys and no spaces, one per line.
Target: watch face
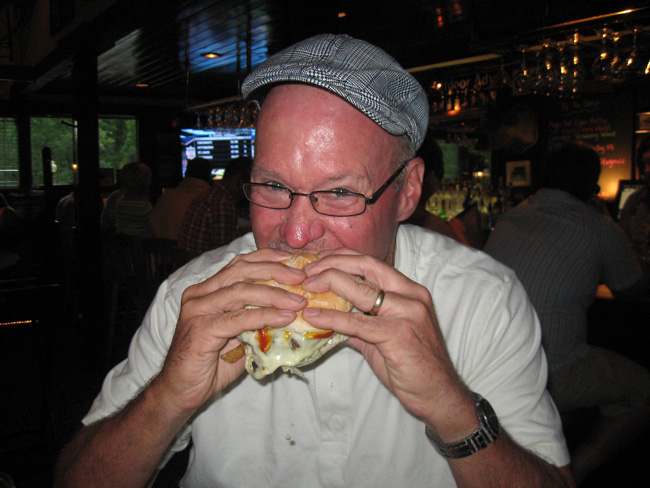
{"x":490,"y":416}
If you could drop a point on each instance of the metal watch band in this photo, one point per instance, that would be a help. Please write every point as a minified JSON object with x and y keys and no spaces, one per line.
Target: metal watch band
{"x":487,"y":432}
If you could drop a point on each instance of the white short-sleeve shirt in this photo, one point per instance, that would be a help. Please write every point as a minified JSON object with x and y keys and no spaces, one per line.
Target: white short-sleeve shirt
{"x":339,"y":426}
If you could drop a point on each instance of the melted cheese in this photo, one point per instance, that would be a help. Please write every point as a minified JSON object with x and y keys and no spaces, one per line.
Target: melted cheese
{"x":288,"y":350}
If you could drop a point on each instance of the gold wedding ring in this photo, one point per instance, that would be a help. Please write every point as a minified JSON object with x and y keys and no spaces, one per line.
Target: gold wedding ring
{"x":380,"y":299}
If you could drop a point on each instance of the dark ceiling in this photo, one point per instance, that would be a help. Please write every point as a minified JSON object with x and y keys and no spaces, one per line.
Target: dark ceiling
{"x":160,"y":42}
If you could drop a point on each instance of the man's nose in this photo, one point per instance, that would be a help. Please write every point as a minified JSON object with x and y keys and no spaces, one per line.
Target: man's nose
{"x":302,"y":223}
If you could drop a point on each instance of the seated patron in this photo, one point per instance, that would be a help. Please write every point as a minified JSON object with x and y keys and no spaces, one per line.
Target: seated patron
{"x":211,"y":220}
{"x":561,"y":247}
{"x":168,"y":212}
{"x":12,"y":225}
{"x":635,"y":217}
{"x":434,"y":170}
{"x":128,"y":210}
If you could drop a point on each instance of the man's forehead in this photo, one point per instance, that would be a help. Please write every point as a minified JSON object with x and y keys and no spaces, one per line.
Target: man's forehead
{"x":277,"y":170}
{"x":317,"y":103}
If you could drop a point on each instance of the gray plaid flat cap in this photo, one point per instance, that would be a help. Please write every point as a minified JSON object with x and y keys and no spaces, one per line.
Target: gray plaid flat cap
{"x":357,"y":71}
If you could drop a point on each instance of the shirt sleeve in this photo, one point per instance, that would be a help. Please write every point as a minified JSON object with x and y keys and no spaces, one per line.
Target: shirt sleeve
{"x":503,"y":361}
{"x":146,"y":355}
{"x":620,"y":269}
{"x":224,"y":222}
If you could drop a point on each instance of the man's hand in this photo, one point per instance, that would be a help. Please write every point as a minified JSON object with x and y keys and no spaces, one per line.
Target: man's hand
{"x":402,"y":343}
{"x":214,"y":312}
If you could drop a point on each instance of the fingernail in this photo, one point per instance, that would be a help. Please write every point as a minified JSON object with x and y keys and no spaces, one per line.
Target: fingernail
{"x":296,"y":297}
{"x":311,"y":312}
{"x":287,"y":313}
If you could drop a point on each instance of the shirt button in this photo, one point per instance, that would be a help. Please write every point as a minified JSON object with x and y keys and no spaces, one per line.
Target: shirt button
{"x":336,"y":422}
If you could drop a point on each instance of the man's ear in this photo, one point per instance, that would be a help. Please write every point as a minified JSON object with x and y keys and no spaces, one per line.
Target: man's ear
{"x":411,"y":189}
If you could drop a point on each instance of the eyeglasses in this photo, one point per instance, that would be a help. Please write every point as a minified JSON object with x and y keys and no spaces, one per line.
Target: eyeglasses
{"x":334,"y":203}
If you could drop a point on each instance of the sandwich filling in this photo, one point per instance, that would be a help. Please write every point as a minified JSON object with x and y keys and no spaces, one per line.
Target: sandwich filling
{"x":268,"y":349}
{"x":297,"y":344}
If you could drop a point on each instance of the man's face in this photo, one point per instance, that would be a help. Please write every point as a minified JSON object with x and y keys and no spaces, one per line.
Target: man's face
{"x":309,"y":139}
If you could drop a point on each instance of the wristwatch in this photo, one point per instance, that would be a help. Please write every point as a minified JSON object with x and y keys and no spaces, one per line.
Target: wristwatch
{"x":487,"y":432}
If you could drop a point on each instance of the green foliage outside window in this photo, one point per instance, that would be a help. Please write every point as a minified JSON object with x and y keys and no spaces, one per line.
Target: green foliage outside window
{"x":117,"y":146}
{"x":57,"y":134}
{"x":117,"y":142}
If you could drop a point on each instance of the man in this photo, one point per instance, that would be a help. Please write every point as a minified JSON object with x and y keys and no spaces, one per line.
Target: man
{"x":210,"y":221}
{"x":434,"y":170}
{"x":635,"y":217}
{"x":167,"y":214}
{"x":561,"y":248}
{"x":338,"y":115}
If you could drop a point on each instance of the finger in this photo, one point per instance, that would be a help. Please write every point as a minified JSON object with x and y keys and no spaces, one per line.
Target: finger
{"x":370,"y":269}
{"x":361,"y":293}
{"x":240,"y":295}
{"x":371,"y":329}
{"x":230,"y":325}
{"x":249,"y":268}
{"x":367,"y":267}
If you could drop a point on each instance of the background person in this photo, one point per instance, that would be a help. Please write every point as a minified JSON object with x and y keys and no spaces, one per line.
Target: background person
{"x":635,"y":217}
{"x":12,"y":225}
{"x":211,"y":219}
{"x":167,"y":214}
{"x":127,"y":210}
{"x":133,"y":208}
{"x":434,"y":170}
{"x":359,"y":416}
{"x":561,"y":247}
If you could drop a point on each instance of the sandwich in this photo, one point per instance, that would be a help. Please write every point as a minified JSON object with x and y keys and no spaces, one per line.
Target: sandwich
{"x":296,"y":345}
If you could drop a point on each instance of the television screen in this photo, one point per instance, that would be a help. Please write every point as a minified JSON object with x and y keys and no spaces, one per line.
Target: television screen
{"x":218,"y":145}
{"x":625,"y":189}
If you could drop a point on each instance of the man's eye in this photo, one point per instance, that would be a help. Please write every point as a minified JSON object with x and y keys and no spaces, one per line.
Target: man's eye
{"x":274,"y":185}
{"x":342,"y":192}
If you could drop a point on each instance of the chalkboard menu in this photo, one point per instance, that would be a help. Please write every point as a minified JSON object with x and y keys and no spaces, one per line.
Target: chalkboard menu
{"x":604,"y":122}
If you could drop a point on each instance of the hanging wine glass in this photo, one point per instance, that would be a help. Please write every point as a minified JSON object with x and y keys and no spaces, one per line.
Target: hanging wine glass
{"x":538,"y":84}
{"x":549,"y":76}
{"x":601,"y":68}
{"x":505,"y":78}
{"x":564,"y":83}
{"x":577,"y":69}
{"x":437,"y":97}
{"x":252,"y":114}
{"x":523,"y":78}
{"x":633,"y":64}
{"x":617,"y":64}
{"x":218,"y":116}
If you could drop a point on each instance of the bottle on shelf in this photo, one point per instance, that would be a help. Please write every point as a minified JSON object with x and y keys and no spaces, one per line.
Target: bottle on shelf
{"x":443,"y":211}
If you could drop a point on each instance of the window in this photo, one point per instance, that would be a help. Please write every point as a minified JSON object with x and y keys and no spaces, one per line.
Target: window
{"x":57,"y":134}
{"x":117,"y":142}
{"x":9,"y":174}
{"x":117,"y":146}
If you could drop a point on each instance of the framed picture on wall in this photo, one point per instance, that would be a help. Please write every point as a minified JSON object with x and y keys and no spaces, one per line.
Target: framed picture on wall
{"x":518,"y":173}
